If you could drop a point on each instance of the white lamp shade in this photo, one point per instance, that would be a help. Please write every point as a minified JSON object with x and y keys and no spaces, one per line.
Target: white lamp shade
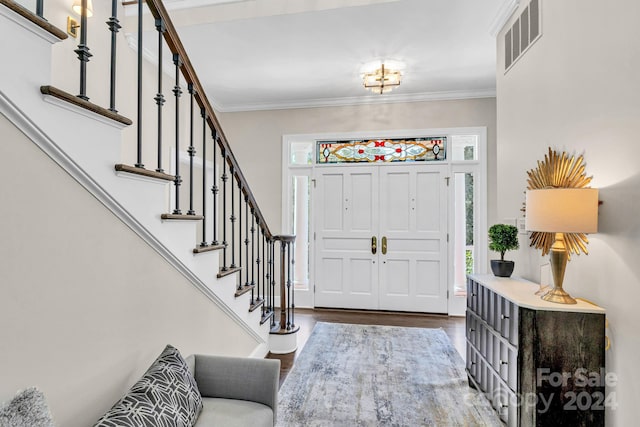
{"x":77,"y":8}
{"x":562,"y":210}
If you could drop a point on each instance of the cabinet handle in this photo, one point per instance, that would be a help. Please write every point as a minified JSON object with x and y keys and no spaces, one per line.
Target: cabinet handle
{"x":374,"y":245}
{"x":471,"y":330}
{"x":502,"y":316}
{"x":503,"y":362}
{"x":473,"y":295}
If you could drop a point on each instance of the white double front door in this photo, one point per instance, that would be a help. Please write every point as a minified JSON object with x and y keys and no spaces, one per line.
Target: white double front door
{"x":381,"y":237}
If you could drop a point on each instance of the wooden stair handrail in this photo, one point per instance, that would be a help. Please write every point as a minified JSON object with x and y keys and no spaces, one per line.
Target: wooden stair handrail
{"x":175,"y":45}
{"x":38,"y":20}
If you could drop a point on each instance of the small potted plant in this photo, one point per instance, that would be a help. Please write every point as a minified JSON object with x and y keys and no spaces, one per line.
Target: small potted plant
{"x":502,"y":238}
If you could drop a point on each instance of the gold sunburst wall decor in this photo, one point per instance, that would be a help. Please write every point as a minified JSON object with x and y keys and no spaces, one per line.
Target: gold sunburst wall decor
{"x":558,"y":170}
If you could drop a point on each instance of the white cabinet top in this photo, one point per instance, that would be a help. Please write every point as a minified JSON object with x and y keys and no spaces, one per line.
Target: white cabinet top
{"x":522,"y":292}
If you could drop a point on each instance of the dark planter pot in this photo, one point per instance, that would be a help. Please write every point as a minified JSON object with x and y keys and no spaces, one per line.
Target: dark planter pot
{"x":502,"y":268}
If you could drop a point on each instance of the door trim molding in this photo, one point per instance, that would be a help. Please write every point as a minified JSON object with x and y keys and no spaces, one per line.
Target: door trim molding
{"x":305,"y":297}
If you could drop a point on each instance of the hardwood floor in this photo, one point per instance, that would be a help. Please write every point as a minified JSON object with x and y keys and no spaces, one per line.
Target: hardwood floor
{"x":307,"y":319}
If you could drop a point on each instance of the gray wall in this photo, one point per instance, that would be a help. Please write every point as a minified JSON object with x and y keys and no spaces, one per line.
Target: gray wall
{"x":577,"y":90}
{"x":256,"y":137}
{"x":85,"y":304}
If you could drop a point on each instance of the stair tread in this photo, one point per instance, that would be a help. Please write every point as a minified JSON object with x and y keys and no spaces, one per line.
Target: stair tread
{"x":208,"y":248}
{"x":277,"y":329}
{"x":244,"y":290}
{"x":144,"y":172}
{"x":90,"y":106}
{"x":39,"y":21}
{"x":228,"y":271}
{"x":266,"y":316}
{"x":182,"y":217}
{"x":256,"y":304}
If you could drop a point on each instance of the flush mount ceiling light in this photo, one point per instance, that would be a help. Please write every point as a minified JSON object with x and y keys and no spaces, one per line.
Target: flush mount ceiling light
{"x":382,"y":80}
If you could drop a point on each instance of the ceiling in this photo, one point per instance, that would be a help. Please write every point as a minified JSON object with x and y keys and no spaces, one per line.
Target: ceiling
{"x":274,"y":54}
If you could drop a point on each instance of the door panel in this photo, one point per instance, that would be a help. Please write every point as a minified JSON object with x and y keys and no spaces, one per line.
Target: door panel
{"x":346,"y":269}
{"x":415,"y":228}
{"x":332,"y":202}
{"x":405,"y":204}
{"x":361,"y":217}
{"x":428,"y":203}
{"x":397,"y":199}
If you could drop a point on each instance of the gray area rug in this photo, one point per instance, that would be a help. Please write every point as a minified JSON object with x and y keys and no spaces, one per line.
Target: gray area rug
{"x":356,"y":375}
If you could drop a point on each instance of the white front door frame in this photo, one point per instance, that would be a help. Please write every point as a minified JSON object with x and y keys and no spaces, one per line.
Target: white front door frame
{"x":456,"y":304}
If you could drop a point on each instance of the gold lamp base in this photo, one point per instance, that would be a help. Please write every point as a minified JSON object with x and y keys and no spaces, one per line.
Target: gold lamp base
{"x":559,"y":258}
{"x":558,"y":295}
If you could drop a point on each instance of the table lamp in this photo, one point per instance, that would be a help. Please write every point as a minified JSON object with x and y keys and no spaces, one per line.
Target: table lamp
{"x":568,"y":213}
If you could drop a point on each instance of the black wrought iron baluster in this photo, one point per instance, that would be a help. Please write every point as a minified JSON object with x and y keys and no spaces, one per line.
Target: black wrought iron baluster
{"x":203,"y":114}
{"x":258,"y":261}
{"x":288,"y":286}
{"x":283,"y":291}
{"x":83,"y":51}
{"x":159,"y":98}
{"x":114,"y":26}
{"x":262,"y":276}
{"x":214,"y":190}
{"x":246,"y":243}
{"x":177,"y":92}
{"x":233,"y":220}
{"x":240,"y":234}
{"x":224,"y":211}
{"x":191,"y":150}
{"x":293,"y":290}
{"x":267,"y":271}
{"x":253,"y":249}
{"x":272,"y":286}
{"x":139,"y":163}
{"x":40,"y":8}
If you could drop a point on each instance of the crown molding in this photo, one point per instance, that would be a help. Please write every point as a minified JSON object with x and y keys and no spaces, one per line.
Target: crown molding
{"x":504,"y":13}
{"x":359,"y":100}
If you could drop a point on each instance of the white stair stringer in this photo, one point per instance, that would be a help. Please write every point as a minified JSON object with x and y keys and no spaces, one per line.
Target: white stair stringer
{"x":90,"y":161}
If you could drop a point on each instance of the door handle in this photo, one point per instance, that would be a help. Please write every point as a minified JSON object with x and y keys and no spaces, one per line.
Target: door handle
{"x":384,"y":245}
{"x":374,"y":245}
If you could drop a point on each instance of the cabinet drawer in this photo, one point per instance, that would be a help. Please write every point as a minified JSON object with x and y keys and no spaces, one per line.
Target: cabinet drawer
{"x":508,"y":321}
{"x":472,"y":295}
{"x":472,"y":362}
{"x":507,"y":365}
{"x":472,"y":329}
{"x":505,"y":404}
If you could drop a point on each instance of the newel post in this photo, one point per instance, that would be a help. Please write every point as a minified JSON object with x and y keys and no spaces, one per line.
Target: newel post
{"x":283,"y":338}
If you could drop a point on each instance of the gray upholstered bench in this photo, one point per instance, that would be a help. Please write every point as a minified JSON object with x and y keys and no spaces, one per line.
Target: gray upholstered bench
{"x":200,"y":391}
{"x":236,"y":391}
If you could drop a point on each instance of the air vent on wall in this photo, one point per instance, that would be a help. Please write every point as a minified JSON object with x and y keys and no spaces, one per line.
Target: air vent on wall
{"x":522,"y":34}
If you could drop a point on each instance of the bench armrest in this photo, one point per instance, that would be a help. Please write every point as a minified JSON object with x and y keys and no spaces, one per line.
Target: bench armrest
{"x":239,"y":378}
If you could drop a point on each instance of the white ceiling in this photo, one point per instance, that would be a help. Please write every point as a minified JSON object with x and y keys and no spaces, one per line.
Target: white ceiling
{"x":271,"y":54}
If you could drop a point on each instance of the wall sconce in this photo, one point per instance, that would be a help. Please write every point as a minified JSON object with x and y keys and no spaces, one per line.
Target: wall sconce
{"x":72,"y":23}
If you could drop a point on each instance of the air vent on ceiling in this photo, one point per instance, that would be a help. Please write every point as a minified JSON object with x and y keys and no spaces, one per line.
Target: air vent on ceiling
{"x":522,"y":34}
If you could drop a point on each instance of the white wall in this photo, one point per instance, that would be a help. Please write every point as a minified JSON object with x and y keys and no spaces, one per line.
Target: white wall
{"x":85,"y":304}
{"x":256,"y":137}
{"x":577,"y":89}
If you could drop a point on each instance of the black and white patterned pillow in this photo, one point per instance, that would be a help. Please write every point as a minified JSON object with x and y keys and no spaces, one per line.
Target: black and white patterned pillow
{"x":166,"y":396}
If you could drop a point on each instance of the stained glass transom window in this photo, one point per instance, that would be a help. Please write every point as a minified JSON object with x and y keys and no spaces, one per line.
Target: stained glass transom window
{"x":382,"y":150}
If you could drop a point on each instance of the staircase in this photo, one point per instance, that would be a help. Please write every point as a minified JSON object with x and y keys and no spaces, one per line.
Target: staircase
{"x":194,"y":206}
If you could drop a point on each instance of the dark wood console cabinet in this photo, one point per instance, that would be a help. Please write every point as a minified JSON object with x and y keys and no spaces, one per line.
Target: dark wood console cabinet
{"x":539,"y":363}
